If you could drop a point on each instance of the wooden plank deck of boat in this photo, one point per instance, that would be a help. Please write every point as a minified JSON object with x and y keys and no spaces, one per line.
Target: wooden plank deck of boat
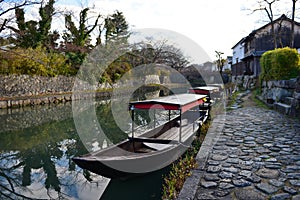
{"x":173,"y":133}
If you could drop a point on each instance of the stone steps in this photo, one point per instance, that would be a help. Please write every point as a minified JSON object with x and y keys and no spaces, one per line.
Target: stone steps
{"x":285,"y":106}
{"x":288,"y":100}
{"x":282,"y":108}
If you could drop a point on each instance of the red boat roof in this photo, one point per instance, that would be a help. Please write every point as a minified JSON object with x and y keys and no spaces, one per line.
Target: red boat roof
{"x":172,"y":102}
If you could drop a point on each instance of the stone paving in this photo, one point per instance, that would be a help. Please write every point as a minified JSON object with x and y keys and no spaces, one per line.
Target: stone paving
{"x":257,"y":156}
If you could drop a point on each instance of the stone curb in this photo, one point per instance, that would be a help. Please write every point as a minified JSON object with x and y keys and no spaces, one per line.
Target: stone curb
{"x":190,"y":186}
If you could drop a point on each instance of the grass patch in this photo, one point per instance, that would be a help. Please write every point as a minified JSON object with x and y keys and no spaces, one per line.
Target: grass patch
{"x":231,"y":100}
{"x":257,"y":101}
{"x":181,"y":169}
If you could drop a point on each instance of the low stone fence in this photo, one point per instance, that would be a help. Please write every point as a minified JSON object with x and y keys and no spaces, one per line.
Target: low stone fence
{"x":277,"y":91}
{"x":283,"y":95}
{"x":26,"y":85}
{"x":245,"y":82}
{"x":23,"y":90}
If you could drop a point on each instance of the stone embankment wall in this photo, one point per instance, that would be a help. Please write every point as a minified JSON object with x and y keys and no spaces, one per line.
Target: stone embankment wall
{"x":245,"y":82}
{"x":284,"y":95}
{"x":25,"y":85}
{"x":277,"y":91}
{"x":23,"y":90}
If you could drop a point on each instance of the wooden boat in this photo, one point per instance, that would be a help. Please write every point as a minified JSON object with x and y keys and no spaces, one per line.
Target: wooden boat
{"x":154,"y":149}
{"x":205,"y":90}
{"x":210,"y":91}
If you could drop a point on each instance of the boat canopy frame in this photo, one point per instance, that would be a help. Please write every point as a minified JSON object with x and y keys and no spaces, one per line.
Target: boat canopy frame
{"x":181,"y":102}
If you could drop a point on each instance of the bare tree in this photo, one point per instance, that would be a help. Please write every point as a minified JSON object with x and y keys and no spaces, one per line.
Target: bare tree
{"x":267,"y":6}
{"x":7,"y":6}
{"x":293,"y":24}
{"x":220,"y":61}
{"x":159,"y":53}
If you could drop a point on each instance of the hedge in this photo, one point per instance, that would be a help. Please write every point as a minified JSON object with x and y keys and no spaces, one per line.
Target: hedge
{"x":280,"y":64}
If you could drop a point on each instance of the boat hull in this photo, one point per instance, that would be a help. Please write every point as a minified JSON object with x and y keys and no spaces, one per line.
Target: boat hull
{"x":134,"y":164}
{"x":154,"y":149}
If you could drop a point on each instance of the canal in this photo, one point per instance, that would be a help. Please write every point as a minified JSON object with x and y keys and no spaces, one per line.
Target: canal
{"x":36,"y":149}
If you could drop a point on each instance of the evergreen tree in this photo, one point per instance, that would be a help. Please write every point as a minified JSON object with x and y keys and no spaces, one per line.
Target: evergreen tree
{"x":77,"y":41}
{"x":116,"y":27}
{"x":34,"y":33}
{"x":79,"y":36}
{"x":46,"y":14}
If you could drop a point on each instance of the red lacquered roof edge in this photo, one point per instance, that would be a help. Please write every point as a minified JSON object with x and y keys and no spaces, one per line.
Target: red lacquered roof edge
{"x":181,"y":102}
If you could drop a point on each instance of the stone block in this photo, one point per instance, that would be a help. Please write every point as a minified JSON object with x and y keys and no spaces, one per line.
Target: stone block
{"x":14,"y":103}
{"x":3,"y":104}
{"x":282,"y":84}
{"x":68,"y":97}
{"x":249,"y":193}
{"x":152,"y":79}
{"x":297,"y":95}
{"x":190,"y":186}
{"x":292,"y":83}
{"x":276,"y":83}
{"x":26,"y":102}
{"x":44,"y":100}
{"x":9,"y":103}
{"x":288,"y":100}
{"x":165,"y":79}
{"x":282,"y":108}
{"x":295,"y":109}
{"x":288,"y":84}
{"x":266,"y":188}
{"x":280,"y":93}
{"x":270,"y":84}
{"x":297,"y":87}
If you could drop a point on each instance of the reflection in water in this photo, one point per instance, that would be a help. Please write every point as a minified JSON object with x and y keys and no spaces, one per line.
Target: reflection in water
{"x":147,"y":187}
{"x":35,"y":162}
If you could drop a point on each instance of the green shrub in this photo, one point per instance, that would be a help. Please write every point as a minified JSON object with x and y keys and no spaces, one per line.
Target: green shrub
{"x":266,"y":65}
{"x":182,"y":168}
{"x":178,"y":174}
{"x":279,"y":64}
{"x":36,"y":61}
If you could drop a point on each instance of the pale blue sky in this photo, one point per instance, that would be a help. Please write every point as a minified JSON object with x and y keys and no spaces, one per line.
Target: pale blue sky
{"x":214,"y":25}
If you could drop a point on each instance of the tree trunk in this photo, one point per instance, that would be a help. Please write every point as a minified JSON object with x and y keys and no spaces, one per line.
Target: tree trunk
{"x":293,"y":24}
{"x":270,"y":16}
{"x":274,"y":35}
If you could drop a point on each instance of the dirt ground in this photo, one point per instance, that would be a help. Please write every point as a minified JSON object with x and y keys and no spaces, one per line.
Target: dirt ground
{"x":247,"y":100}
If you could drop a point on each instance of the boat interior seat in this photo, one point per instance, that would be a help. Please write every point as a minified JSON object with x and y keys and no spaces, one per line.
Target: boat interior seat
{"x":151,"y":140}
{"x":157,"y":146}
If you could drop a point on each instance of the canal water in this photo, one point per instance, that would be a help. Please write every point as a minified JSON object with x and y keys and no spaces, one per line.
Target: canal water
{"x":36,"y":149}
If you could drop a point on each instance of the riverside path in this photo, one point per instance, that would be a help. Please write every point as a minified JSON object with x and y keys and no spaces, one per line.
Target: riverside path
{"x":251,"y":153}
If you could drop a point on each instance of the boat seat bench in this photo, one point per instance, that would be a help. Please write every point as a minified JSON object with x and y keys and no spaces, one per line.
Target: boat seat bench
{"x":152,"y":140}
{"x":157,"y":146}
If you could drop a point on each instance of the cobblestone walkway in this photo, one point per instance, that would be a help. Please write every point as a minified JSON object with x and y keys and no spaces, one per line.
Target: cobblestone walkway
{"x":257,"y":156}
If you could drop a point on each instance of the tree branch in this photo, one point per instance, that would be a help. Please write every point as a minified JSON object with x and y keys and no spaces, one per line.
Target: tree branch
{"x":25,"y":3}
